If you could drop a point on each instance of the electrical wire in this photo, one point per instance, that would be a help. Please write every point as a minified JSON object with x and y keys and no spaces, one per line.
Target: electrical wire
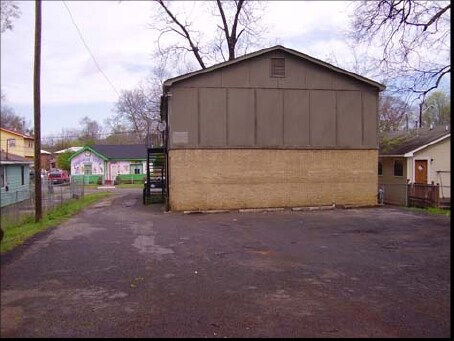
{"x":88,"y":49}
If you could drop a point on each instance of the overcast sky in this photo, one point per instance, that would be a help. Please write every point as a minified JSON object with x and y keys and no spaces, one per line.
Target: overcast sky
{"x":120,"y":38}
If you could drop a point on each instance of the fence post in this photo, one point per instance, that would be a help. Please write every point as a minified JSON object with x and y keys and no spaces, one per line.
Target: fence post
{"x":406,"y":193}
{"x":437,"y":195}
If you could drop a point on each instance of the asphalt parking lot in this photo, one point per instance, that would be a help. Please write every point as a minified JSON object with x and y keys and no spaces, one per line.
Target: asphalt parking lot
{"x":120,"y":269}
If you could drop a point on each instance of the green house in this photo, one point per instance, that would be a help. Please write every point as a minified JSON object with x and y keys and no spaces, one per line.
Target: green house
{"x":14,"y":179}
{"x":105,"y":164}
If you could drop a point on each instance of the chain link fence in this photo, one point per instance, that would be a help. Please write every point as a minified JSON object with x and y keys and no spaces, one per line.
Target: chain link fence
{"x":53,"y":195}
{"x":404,"y":195}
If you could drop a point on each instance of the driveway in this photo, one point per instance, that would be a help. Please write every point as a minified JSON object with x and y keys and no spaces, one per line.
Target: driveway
{"x":119,"y":269}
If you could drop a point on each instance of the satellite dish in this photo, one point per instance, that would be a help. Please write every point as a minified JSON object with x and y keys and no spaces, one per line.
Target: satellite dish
{"x":162,"y":126}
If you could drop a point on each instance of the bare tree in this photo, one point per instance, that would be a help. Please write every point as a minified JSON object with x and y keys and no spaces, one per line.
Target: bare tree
{"x":236,"y":32}
{"x":394,"y":113}
{"x":414,"y":40}
{"x":91,"y":130}
{"x":10,"y":120}
{"x":135,"y":110}
{"x":8,"y":10}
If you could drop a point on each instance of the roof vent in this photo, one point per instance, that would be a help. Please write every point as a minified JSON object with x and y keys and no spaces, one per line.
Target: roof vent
{"x":277,"y":67}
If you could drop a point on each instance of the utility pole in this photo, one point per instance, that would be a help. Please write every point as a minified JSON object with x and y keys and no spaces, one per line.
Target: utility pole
{"x":37,"y":112}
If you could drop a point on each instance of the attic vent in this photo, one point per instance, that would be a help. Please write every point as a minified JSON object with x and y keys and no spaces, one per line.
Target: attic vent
{"x":277,"y":67}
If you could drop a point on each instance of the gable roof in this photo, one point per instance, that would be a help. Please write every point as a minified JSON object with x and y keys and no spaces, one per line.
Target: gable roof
{"x":117,"y":151}
{"x":169,"y":82}
{"x":70,"y":149}
{"x":17,"y":133}
{"x":405,"y":143}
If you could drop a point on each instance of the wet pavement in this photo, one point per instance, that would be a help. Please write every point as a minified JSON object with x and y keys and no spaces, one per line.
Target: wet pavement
{"x":120,"y":269}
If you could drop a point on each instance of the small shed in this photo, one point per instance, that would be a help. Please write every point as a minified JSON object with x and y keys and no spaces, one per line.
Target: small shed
{"x":274,"y":128}
{"x":14,"y":178}
{"x":107,"y":163}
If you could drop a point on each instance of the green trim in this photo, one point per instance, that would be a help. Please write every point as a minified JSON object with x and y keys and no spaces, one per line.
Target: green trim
{"x":105,"y":158}
{"x":87,"y":179}
{"x":135,"y":177}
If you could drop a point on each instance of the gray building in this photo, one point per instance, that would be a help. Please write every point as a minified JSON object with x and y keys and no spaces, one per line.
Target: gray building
{"x":274,"y":128}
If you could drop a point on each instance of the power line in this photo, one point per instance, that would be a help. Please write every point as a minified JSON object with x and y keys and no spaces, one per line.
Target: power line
{"x":88,"y":49}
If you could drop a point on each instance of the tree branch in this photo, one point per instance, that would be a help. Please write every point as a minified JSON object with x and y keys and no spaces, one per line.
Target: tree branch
{"x":185,"y":34}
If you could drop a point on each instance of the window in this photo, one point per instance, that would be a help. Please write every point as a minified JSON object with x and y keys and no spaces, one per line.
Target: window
{"x":2,"y":176}
{"x":87,"y":169}
{"x":22,"y":175}
{"x":277,"y":67}
{"x":136,"y":168}
{"x":398,"y":168}
{"x":11,"y":143}
{"x":380,"y":168}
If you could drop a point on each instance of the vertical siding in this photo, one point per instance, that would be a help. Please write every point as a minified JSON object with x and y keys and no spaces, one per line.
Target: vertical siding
{"x":323,"y":118}
{"x":370,"y":118}
{"x":349,"y":119}
{"x":213,"y":121}
{"x":240,"y":117}
{"x":184,"y":115}
{"x":270,"y":117}
{"x":296,"y":118}
{"x":312,"y":106}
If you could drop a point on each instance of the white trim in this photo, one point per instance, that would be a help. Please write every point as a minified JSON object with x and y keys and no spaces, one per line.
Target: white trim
{"x":411,"y":154}
{"x":4,"y":162}
{"x":394,"y":155}
{"x":428,"y":168}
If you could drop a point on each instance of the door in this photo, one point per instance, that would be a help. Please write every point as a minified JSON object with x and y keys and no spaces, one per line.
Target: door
{"x":113,"y":172}
{"x":421,"y":171}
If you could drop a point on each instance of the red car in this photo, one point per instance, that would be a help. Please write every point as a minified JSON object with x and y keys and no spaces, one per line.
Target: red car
{"x":58,"y":176}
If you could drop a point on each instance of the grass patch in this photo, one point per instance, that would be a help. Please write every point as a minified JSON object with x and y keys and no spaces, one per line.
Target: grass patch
{"x":17,"y":233}
{"x":431,"y":210}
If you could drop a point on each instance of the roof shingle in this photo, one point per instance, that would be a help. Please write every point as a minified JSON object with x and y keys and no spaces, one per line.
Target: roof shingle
{"x":402,"y":142}
{"x":121,"y":151}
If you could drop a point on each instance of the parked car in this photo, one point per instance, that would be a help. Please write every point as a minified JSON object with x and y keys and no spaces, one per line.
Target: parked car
{"x":43,"y":174}
{"x":157,"y":182}
{"x":58,"y":176}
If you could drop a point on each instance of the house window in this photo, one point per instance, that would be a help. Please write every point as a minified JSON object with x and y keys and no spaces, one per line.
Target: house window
{"x":277,"y":67}
{"x":22,"y":175}
{"x":380,"y":168}
{"x":2,"y":176}
{"x":87,"y":169}
{"x":11,"y":143}
{"x":398,"y":168}
{"x":136,"y":168}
